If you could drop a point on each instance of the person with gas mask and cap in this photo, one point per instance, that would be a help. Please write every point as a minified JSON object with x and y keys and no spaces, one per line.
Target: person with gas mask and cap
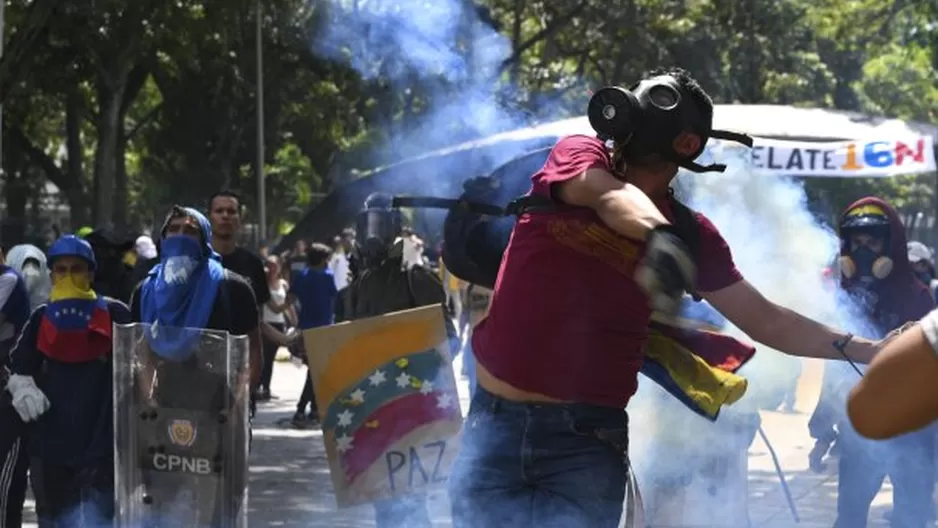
{"x":878,"y":277}
{"x":61,"y":387}
{"x":385,"y":283}
{"x":546,"y":439}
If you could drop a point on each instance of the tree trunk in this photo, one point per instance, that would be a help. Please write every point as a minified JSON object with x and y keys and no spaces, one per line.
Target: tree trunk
{"x":120,"y":176}
{"x":106,"y":152}
{"x":75,"y":195}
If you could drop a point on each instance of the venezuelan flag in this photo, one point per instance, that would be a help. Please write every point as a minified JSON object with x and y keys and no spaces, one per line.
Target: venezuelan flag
{"x":75,"y":330}
{"x":395,"y":400}
{"x":696,"y":366}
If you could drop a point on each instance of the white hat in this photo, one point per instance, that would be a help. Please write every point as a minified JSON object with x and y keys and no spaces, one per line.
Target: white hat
{"x":919,"y":252}
{"x":145,"y":247}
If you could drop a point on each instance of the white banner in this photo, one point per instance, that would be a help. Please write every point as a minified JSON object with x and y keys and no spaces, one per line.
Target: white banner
{"x":845,"y":159}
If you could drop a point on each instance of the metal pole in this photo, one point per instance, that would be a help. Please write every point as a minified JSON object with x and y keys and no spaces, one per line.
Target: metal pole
{"x":3,"y":27}
{"x":261,"y":187}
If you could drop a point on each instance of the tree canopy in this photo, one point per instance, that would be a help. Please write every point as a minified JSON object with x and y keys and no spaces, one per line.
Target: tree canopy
{"x":129,"y":107}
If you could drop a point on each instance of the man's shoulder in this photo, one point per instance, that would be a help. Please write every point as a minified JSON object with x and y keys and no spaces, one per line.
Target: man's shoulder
{"x":243,"y":260}
{"x":234,"y":281}
{"x":707,"y":227}
{"x":579,"y":139}
{"x":117,"y":308}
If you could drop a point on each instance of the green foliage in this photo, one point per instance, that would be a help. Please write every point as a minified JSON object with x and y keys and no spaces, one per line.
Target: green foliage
{"x":129,"y":107}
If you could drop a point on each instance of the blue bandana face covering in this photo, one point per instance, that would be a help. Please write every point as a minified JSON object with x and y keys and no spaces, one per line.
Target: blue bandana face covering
{"x":179,"y":293}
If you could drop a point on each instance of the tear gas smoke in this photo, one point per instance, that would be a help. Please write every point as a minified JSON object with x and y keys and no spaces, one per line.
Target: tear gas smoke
{"x":781,"y":249}
{"x":445,"y":48}
{"x":441,"y":52}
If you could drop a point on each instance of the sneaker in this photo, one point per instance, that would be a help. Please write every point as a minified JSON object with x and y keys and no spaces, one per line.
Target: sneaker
{"x":299,"y":419}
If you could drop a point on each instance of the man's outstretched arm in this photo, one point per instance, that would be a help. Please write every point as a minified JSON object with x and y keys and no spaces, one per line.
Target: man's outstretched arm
{"x":783,"y":329}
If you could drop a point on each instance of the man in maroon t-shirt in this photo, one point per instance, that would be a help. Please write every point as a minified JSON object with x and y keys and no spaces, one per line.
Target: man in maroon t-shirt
{"x":545,"y":442}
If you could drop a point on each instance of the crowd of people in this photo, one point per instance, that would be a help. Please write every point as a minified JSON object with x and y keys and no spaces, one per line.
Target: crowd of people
{"x":583,"y":296}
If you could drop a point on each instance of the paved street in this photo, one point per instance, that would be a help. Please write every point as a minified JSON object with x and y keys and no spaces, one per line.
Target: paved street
{"x":290,"y":485}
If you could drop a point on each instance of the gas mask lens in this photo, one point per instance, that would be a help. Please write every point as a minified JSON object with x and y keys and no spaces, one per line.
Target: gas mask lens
{"x":664,"y":96}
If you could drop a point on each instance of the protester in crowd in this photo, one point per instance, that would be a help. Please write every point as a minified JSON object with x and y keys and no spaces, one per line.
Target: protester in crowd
{"x":315,"y":292}
{"x":877,"y":274}
{"x":898,"y":394}
{"x":30,"y":262}
{"x":412,"y":248}
{"x":296,"y":258}
{"x":14,"y":311}
{"x":61,"y":371}
{"x":113,"y":277}
{"x":384,"y":285}
{"x":340,"y":263}
{"x":280,"y":322}
{"x":922,"y":260}
{"x":191,"y":289}
{"x":225,"y":215}
{"x":563,"y":343}
{"x":145,"y":248}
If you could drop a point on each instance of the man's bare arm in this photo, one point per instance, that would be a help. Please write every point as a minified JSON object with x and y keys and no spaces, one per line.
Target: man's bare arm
{"x":622,"y":206}
{"x":784,"y":329}
{"x":897,"y":393}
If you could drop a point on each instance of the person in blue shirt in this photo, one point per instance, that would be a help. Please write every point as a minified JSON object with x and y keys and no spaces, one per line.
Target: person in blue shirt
{"x":314,"y":290}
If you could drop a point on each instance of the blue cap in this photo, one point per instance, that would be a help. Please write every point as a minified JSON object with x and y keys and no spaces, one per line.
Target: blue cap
{"x":72,"y":246}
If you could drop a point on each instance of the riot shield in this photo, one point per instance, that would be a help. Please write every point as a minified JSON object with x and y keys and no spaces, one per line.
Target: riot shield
{"x":388,"y":403}
{"x":181,"y":400}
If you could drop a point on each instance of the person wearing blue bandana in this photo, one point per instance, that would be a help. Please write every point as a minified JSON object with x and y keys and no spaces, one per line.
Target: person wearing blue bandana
{"x":189,"y":288}
{"x":187,"y":293}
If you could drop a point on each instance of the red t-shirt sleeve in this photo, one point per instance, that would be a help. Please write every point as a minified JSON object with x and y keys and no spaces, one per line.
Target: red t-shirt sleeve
{"x":716,"y":269}
{"x":569,"y":158}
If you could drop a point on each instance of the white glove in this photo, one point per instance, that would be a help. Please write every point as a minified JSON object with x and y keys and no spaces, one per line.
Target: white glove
{"x":28,"y":400}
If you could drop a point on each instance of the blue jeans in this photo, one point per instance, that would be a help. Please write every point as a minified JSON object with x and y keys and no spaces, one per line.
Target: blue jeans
{"x":863,"y":464}
{"x":524,"y":465}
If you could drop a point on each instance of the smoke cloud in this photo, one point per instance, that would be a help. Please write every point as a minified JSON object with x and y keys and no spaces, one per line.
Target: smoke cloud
{"x":445,"y":53}
{"x":781,"y":249}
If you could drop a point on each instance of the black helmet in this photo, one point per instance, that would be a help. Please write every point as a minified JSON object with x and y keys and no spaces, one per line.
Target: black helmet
{"x":378,"y":225}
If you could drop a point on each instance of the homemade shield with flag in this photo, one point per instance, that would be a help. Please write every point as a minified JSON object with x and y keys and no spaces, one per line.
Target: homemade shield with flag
{"x":387,"y":402}
{"x":181,"y":427}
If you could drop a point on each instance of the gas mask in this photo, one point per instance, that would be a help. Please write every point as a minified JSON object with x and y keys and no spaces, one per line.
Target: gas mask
{"x":378,"y":225}
{"x":860,"y":262}
{"x":31,"y":274}
{"x":649,"y":116}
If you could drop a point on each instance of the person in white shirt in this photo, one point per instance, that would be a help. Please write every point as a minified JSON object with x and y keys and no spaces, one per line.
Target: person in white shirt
{"x":279,"y":321}
{"x":339,"y":263}
{"x":413,"y":249}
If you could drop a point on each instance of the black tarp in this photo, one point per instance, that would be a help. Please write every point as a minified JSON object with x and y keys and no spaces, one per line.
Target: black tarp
{"x":439,"y":173}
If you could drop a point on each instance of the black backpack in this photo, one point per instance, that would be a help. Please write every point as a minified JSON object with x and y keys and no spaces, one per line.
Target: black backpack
{"x":470,"y":253}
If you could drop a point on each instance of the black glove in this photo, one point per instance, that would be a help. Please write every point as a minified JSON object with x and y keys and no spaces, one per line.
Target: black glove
{"x":667,"y":271}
